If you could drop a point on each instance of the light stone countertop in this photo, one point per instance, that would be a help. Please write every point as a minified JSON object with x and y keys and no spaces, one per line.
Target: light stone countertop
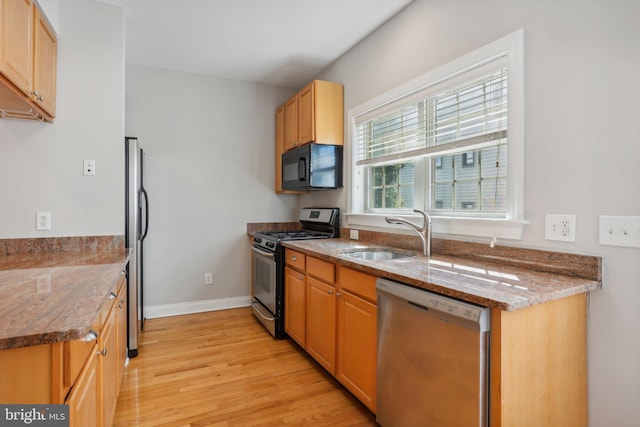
{"x":485,"y":283}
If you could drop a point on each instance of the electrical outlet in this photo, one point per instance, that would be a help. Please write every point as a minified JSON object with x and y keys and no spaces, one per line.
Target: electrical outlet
{"x":89,"y":167}
{"x":621,"y":231}
{"x":208,"y":278}
{"x":353,"y":234}
{"x":43,"y":220}
{"x":560,"y":227}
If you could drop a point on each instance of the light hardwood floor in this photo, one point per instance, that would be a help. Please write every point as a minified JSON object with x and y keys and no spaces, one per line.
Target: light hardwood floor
{"x":223,"y":369}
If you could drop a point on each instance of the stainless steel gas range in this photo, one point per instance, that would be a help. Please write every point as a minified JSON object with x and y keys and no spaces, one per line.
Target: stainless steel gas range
{"x":267,"y":284}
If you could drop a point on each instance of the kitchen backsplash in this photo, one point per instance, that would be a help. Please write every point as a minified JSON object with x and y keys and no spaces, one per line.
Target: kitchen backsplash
{"x":60,"y":244}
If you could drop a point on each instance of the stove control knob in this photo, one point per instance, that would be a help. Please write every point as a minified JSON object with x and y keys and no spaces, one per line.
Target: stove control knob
{"x":257,"y":239}
{"x":271,"y":244}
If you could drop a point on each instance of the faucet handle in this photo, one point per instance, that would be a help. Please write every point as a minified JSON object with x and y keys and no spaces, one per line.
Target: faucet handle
{"x":427,"y":218}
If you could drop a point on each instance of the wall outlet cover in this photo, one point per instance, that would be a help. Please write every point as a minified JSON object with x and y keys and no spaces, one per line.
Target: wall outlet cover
{"x":43,"y":220}
{"x":560,"y":227}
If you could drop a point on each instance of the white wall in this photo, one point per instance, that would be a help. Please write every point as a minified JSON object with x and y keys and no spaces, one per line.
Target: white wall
{"x":209,"y":170}
{"x":41,"y":164}
{"x":582,"y":125}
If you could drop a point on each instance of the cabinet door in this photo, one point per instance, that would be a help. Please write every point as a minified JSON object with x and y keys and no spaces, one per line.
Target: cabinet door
{"x":108,"y":368}
{"x":357,"y":340}
{"x":306,"y":114}
{"x":291,"y":123}
{"x":44,"y":65}
{"x":16,"y":42}
{"x":294,"y":305}
{"x":279,"y":147}
{"x":83,"y":398}
{"x":121,"y":329}
{"x":321,"y":323}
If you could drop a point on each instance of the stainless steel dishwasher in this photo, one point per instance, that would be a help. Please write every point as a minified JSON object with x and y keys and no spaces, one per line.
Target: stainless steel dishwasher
{"x":433,"y":359}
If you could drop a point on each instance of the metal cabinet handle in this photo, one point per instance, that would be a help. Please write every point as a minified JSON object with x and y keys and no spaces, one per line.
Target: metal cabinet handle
{"x":103,"y":352}
{"x":120,"y":304}
{"x":338,"y":294}
{"x":330,"y":292}
{"x":293,"y":258}
{"x":112,"y":295}
{"x":37,"y":96}
{"x":91,"y":336}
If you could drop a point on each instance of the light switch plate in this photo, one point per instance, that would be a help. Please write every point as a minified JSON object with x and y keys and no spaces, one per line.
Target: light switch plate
{"x":619,"y":231}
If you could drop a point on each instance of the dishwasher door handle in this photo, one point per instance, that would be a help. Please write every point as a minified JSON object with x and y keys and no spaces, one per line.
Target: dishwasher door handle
{"x":421,"y":307}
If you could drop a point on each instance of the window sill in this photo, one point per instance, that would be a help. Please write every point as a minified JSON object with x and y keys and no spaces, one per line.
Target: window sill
{"x":471,"y":227}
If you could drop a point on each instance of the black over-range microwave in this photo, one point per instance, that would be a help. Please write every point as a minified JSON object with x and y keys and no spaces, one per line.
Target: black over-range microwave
{"x":312,"y":167}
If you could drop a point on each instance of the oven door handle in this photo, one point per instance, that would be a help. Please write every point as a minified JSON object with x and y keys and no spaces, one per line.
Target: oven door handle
{"x":263,"y":253}
{"x":260,"y":311}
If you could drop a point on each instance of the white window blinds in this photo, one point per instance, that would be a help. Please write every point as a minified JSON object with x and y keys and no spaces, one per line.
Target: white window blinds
{"x":451,"y":117}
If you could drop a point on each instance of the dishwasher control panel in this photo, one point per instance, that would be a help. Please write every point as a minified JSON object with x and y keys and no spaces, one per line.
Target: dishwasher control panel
{"x":455,"y":308}
{"x":445,"y":308}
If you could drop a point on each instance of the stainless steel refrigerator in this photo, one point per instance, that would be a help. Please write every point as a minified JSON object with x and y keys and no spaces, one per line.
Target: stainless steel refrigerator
{"x":136,"y":228}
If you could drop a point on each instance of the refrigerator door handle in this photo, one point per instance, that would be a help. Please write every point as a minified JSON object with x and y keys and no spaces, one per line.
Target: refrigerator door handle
{"x":146,"y":214}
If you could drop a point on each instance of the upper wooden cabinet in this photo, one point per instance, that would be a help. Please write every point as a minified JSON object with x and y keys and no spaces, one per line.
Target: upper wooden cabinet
{"x":16,"y":48}
{"x":280,"y":136}
{"x":44,"y":63}
{"x":28,"y":56}
{"x":315,"y":114}
{"x":291,"y":123}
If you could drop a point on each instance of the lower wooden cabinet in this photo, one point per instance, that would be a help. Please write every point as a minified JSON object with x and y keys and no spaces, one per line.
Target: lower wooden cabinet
{"x":538,"y":354}
{"x":321,"y":323}
{"x":295,"y":305}
{"x":108,"y":368}
{"x":85,"y":374}
{"x":357,"y":335}
{"x":357,"y":339}
{"x":83,"y":398}
{"x":121,"y":305}
{"x":335,"y":321}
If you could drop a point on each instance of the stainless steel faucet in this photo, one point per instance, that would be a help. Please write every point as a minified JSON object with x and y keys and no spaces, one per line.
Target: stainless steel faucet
{"x":424,"y":231}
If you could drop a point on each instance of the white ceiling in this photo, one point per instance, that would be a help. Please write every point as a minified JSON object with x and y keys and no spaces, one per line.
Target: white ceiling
{"x":278,"y":42}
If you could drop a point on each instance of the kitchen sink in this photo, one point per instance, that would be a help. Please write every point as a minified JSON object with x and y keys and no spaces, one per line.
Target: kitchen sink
{"x":377,"y":254}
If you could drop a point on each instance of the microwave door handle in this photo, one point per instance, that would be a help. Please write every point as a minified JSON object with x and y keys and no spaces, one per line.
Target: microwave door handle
{"x":302,"y":169}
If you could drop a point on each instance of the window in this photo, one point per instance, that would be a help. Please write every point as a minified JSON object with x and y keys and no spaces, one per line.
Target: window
{"x":449,"y":142}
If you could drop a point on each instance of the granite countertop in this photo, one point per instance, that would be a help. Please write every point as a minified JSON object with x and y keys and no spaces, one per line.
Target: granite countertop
{"x":48,"y":297}
{"x":490,"y":284}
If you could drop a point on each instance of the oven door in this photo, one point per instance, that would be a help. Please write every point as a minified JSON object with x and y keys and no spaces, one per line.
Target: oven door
{"x":263,"y":283}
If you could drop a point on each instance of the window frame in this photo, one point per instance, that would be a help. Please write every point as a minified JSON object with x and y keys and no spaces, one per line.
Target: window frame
{"x":463,"y":223}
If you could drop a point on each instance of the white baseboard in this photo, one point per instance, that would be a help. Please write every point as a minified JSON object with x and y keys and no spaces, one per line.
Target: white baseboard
{"x":178,"y":309}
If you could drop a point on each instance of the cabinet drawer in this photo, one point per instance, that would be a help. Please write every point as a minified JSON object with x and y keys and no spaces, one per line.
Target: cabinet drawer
{"x":320,"y":269}
{"x":358,"y":283}
{"x":295,"y":259}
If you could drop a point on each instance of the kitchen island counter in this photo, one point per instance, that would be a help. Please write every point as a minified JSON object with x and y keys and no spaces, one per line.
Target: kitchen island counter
{"x":54,"y":294}
{"x":494,"y":282}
